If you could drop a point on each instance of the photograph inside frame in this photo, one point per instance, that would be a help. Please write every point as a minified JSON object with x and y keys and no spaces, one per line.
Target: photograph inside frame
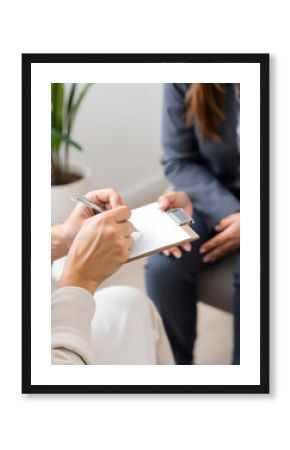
{"x":147,"y":272}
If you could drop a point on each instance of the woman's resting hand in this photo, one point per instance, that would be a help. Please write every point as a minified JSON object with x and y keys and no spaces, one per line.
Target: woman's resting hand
{"x":225,"y":241}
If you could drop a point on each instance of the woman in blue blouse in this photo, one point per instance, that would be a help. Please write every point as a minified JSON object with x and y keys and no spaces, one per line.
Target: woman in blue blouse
{"x":201,"y":156}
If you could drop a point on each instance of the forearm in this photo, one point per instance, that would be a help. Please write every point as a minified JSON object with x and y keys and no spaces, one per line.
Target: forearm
{"x":59,"y":247}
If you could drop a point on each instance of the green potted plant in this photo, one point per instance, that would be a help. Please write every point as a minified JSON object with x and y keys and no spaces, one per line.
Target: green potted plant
{"x":65,"y":178}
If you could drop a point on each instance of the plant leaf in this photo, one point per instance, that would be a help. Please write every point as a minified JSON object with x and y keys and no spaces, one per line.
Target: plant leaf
{"x":65,"y":138}
{"x":57,"y":96}
{"x":80,"y":98}
{"x":69,"y":106}
{"x":59,"y":105}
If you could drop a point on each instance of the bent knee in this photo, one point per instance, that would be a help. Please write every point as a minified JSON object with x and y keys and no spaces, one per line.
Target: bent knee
{"x":124,"y":296}
{"x":159,"y":266}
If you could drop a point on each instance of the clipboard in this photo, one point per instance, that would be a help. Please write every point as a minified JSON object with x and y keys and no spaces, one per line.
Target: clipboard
{"x":159,"y":230}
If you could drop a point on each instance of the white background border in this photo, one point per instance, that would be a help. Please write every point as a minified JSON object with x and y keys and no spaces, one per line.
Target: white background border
{"x":159,"y":421}
{"x":248,"y":76}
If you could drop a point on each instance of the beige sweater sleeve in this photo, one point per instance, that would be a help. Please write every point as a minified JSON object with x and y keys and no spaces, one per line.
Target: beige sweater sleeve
{"x":72,"y":310}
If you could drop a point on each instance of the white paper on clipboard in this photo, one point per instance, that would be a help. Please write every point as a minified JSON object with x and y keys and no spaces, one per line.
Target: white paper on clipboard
{"x":157,"y":231}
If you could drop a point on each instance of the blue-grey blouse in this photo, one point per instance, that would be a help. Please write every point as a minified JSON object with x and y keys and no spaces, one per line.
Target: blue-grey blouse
{"x":208,"y":170}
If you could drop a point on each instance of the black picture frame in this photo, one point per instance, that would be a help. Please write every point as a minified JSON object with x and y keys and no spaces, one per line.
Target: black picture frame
{"x":263,"y":61}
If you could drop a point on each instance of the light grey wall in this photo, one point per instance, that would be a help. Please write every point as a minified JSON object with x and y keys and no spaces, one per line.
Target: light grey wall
{"x":118,"y":126}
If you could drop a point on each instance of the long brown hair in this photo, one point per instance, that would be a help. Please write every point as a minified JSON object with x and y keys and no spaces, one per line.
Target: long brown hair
{"x":205,"y":106}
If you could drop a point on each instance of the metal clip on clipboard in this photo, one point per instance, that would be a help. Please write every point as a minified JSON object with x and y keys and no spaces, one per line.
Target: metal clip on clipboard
{"x":180,"y":217}
{"x":183,"y":220}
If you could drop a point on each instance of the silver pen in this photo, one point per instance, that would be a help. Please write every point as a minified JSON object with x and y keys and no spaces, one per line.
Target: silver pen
{"x":92,"y":205}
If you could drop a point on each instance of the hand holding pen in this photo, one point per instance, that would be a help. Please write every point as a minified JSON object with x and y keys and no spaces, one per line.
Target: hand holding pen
{"x":108,"y":199}
{"x":94,"y":206}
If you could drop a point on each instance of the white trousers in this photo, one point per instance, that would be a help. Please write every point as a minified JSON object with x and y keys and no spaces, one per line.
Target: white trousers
{"x":127,"y":329}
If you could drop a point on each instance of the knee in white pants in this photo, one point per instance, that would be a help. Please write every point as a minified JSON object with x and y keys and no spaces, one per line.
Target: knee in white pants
{"x":126,"y":297}
{"x":127,"y":329}
{"x":122,"y":329}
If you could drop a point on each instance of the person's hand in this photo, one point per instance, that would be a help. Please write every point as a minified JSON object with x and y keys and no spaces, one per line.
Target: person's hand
{"x":107,"y":198}
{"x":176,"y":200}
{"x":226,"y":240}
{"x":100,"y":247}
